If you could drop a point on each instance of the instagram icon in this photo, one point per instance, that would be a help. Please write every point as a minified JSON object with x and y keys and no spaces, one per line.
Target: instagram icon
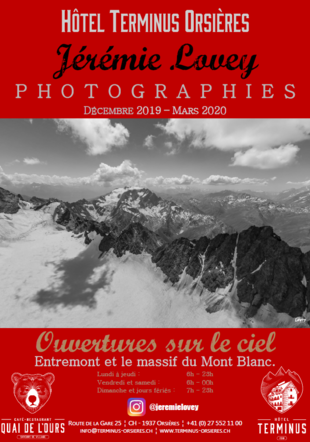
{"x":136,"y":406}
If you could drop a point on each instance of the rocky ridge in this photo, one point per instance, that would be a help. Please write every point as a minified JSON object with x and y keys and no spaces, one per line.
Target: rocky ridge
{"x":122,"y":207}
{"x":256,"y":264}
{"x":135,"y":239}
{"x":9,"y":202}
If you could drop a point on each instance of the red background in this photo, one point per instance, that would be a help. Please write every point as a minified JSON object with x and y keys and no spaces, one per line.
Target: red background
{"x":31,"y":34}
{"x":236,"y":389}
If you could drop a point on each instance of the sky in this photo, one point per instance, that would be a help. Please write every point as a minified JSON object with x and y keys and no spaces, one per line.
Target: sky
{"x":72,"y":159}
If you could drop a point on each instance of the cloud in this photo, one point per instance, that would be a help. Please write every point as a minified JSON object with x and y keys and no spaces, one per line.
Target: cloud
{"x":213,"y":180}
{"x":124,"y":174}
{"x":216,"y":180}
{"x":13,"y":162}
{"x":299,"y":183}
{"x":236,"y":134}
{"x":149,"y":142}
{"x":28,"y":161}
{"x":272,"y":158}
{"x":100,"y":135}
{"x":32,"y":161}
{"x":185,"y":180}
{"x":241,"y":135}
{"x":172,"y":150}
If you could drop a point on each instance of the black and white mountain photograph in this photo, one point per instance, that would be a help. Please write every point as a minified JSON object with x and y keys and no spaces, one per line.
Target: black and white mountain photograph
{"x":164,"y":223}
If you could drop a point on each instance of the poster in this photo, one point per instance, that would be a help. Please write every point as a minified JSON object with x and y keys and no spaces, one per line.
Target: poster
{"x":154,"y":221}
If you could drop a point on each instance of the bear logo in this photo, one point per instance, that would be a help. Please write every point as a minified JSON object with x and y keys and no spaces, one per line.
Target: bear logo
{"x":32,"y":391}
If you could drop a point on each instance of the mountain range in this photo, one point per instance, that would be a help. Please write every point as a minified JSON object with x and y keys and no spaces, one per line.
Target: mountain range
{"x":238,"y":252}
{"x":288,"y":212}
